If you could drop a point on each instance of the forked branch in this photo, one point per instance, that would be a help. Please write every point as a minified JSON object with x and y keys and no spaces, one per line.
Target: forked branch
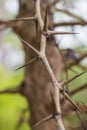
{"x":57,"y":87}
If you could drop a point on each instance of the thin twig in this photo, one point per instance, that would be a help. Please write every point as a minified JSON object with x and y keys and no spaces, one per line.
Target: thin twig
{"x":51,"y":33}
{"x":13,"y":22}
{"x":70,"y":24}
{"x":43,"y":120}
{"x":26,"y":43}
{"x":71,"y":101}
{"x":17,"y":19}
{"x":10,"y":91}
{"x":78,"y":89}
{"x":71,"y":79}
{"x":29,"y":62}
{"x":68,"y":12}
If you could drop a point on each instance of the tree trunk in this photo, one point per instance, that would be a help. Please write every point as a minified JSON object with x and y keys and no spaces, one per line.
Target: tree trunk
{"x":37,"y":83}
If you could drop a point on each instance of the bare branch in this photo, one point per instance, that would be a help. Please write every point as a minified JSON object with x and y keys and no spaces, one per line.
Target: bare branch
{"x":43,"y":120}
{"x":13,"y":22}
{"x":26,"y":43}
{"x":51,"y":33}
{"x":78,"y":89}
{"x":17,"y":19}
{"x":65,"y":65}
{"x":57,"y":86}
{"x":29,"y":62}
{"x":38,"y":14}
{"x":55,"y":83}
{"x":68,"y":12}
{"x":71,"y":79}
{"x":70,"y":24}
{"x":71,"y":101}
{"x":10,"y":91}
{"x":46,"y":21}
{"x":45,"y":61}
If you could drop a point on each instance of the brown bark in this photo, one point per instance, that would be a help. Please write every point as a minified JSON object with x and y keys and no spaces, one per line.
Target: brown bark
{"x":38,"y":84}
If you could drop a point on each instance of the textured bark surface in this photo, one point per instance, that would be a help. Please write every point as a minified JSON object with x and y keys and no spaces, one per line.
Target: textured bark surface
{"x":38,"y":84}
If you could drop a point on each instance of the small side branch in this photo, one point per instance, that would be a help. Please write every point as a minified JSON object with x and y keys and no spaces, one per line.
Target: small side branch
{"x":68,"y":12}
{"x":17,"y":19}
{"x":78,"y":89}
{"x":71,"y":79}
{"x":28,"y":63}
{"x":43,"y":120}
{"x":70,"y":24}
{"x":10,"y":91}
{"x":12,"y":23}
{"x":27,"y":44}
{"x":51,"y":33}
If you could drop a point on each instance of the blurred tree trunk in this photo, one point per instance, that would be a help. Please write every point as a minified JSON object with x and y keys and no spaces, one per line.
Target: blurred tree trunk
{"x":37,"y":83}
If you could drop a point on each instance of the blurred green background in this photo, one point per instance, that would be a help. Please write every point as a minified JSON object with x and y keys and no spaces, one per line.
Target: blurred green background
{"x":13,"y":107}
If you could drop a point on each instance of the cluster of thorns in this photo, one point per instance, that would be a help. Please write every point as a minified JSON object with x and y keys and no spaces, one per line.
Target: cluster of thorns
{"x":41,"y":55}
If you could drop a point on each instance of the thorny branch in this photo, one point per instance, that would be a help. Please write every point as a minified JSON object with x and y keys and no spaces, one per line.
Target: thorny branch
{"x":45,"y":32}
{"x":29,"y":62}
{"x":57,"y":86}
{"x":48,"y":68}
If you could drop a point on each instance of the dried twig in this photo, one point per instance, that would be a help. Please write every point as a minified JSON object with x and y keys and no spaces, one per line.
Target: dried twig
{"x":78,"y":89}
{"x":13,"y":22}
{"x":10,"y":91}
{"x":70,"y":24}
{"x":71,"y":79}
{"x":27,"y":44}
{"x":43,"y":120}
{"x":17,"y":19}
{"x":68,"y":12}
{"x":28,"y":63}
{"x":51,"y":33}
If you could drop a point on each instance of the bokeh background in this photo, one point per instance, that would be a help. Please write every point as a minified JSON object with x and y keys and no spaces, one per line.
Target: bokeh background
{"x":14,"y":107}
